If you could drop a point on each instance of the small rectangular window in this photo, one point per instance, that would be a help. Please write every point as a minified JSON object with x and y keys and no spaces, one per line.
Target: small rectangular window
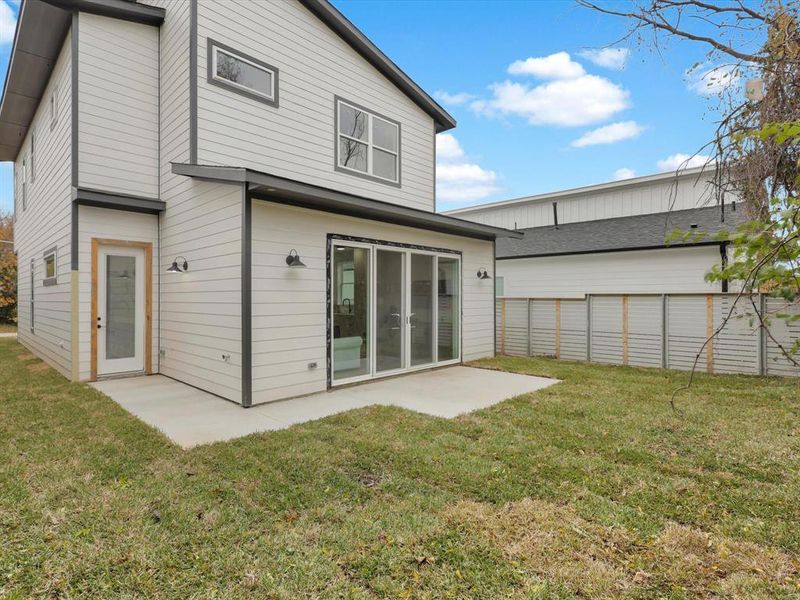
{"x":50,"y":268}
{"x":367,"y":144}
{"x":24,"y":184}
{"x":241,"y":73}
{"x":33,"y":155}
{"x":53,"y":108}
{"x":500,"y":286}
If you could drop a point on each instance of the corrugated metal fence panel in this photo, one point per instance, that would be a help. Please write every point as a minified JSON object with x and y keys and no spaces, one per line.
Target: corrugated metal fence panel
{"x":607,"y":329}
{"x":543,"y":327}
{"x":686,"y":333}
{"x":517,"y":327}
{"x":736,"y":347}
{"x":644,"y":331}
{"x":573,"y":329}
{"x":785,"y":333}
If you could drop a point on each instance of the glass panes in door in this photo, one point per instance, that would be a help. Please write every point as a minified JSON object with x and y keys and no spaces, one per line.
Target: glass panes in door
{"x":421,"y":309}
{"x":389,"y":311}
{"x":351,"y":311}
{"x":449,"y":309}
{"x":120,"y":306}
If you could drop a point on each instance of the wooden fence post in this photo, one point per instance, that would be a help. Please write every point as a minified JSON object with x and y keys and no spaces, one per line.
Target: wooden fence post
{"x":763,"y":367}
{"x":709,"y":333}
{"x":664,"y":331}
{"x":625,"y":329}
{"x":588,"y":328}
{"x":558,"y":328}
{"x":529,"y":326}
{"x":503,"y":326}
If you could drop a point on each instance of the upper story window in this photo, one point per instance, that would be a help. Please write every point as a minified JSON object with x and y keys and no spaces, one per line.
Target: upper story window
{"x":367,"y":143}
{"x":24,"y":184}
{"x":33,"y":155}
{"x":241,"y":73}
{"x":53,"y":108}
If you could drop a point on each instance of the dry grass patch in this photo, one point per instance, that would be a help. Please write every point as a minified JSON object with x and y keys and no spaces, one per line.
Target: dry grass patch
{"x":597,"y":561}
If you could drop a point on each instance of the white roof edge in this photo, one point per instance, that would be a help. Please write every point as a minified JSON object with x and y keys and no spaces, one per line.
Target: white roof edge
{"x":597,"y":187}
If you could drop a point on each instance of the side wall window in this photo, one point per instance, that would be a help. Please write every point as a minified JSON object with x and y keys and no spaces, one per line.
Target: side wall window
{"x":500,"y":286}
{"x":50,"y":267}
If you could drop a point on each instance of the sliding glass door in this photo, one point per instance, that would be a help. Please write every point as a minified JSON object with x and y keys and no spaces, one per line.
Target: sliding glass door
{"x":393,"y":309}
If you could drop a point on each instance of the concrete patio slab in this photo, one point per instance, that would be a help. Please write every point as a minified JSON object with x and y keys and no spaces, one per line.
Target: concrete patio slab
{"x":190,"y":417}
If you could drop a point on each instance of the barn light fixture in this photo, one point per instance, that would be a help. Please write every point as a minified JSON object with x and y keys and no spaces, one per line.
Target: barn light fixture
{"x":483,"y":273}
{"x":293,"y":260}
{"x":178,"y":268}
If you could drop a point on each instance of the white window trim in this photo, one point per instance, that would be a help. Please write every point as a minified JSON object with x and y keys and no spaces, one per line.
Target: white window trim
{"x":216,"y":49}
{"x":371,"y":116}
{"x":33,"y":150}
{"x":24,"y":183}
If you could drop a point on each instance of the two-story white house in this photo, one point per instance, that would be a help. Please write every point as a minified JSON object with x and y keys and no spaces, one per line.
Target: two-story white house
{"x":235,"y":194}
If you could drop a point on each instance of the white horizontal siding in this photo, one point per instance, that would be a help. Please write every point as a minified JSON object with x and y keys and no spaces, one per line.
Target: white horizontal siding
{"x":201,"y":309}
{"x":645,"y":198}
{"x":642,"y":271}
{"x":118,"y":225}
{"x":289,"y":305}
{"x":296,"y":140}
{"x":118,"y":106}
{"x":45,"y":223}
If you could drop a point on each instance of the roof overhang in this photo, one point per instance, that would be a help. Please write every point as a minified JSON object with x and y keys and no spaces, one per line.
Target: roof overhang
{"x":664,"y":246}
{"x":328,"y":14}
{"x":42,"y":27}
{"x":267,"y":187}
{"x":87,"y":197}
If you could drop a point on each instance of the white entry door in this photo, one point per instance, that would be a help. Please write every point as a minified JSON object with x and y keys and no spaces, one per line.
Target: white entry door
{"x":120,"y":310}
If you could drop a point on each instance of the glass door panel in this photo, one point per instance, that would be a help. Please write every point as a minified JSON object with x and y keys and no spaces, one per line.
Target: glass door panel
{"x":421,"y":309}
{"x":389,"y":311}
{"x":350,"y":307}
{"x":449,"y":309}
{"x":120,"y":306}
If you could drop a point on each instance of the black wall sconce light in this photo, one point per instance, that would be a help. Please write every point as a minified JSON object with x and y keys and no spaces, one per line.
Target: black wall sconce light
{"x":179,"y":267}
{"x":483,"y":274}
{"x":293,"y":260}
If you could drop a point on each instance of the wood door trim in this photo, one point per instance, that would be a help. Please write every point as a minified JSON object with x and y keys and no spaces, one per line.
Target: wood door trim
{"x":148,"y":301}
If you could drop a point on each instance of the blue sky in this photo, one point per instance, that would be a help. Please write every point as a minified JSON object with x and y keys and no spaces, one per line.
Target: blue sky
{"x":537,"y":110}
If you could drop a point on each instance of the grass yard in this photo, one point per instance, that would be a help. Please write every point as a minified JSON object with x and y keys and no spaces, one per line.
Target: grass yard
{"x":7,"y":327}
{"x":589,"y":489}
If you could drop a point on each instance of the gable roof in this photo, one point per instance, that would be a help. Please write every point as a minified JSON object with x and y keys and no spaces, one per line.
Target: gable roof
{"x":42,"y":26}
{"x":638,"y":232}
{"x":700,"y":173}
{"x":328,"y":14}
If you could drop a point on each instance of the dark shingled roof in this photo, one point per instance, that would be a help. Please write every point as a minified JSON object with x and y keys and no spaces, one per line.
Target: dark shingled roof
{"x":638,"y":232}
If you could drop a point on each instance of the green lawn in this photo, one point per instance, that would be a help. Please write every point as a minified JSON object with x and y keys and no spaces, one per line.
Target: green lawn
{"x":589,"y":489}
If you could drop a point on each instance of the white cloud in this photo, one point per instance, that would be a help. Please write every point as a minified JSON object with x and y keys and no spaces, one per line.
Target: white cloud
{"x":459,"y":180}
{"x":623,"y":173}
{"x":453,"y":99}
{"x":554,"y":66}
{"x":569,"y":102}
{"x":610,"y":58}
{"x":609,"y":134}
{"x":8,"y":23}
{"x":708,"y":81}
{"x":448,"y":148}
{"x":678,"y":161}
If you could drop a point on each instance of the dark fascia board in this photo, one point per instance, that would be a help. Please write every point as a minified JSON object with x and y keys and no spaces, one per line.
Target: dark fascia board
{"x":99,"y":199}
{"x":118,"y":9}
{"x":267,"y":187}
{"x":610,"y":250}
{"x":41,"y":30}
{"x":328,"y":14}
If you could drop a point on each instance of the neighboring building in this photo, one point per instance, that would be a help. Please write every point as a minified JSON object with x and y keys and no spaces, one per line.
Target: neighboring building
{"x":176,"y":162}
{"x":611,"y":238}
